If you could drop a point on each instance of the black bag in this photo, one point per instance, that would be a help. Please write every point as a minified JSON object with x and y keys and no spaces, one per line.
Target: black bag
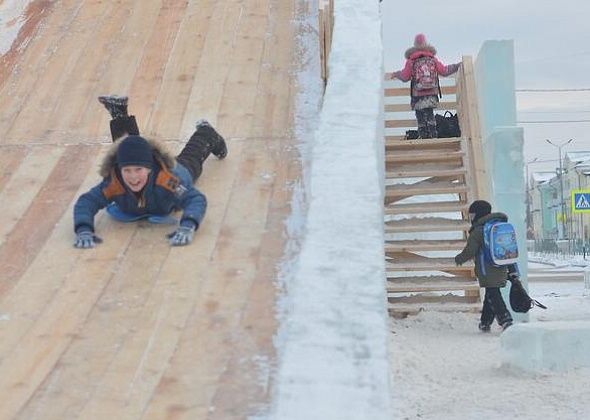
{"x":447,"y":125}
{"x":412,"y":135}
{"x":520,"y":299}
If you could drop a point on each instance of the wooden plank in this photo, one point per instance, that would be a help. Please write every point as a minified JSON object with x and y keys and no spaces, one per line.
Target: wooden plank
{"x":446,"y":90}
{"x":47,"y":110}
{"x":147,"y":83}
{"x":408,"y":173}
{"x":10,"y":159}
{"x":402,"y":143}
{"x":213,"y":66}
{"x":413,"y":245}
{"x":137,"y":34}
{"x":35,"y":226}
{"x":434,"y":224}
{"x":438,"y":287}
{"x":241,"y":86}
{"x":427,"y":280}
{"x":411,"y":123}
{"x":322,"y":37}
{"x":423,"y":157}
{"x":436,"y":296}
{"x":233,"y":267}
{"x":24,"y":185}
{"x":451,"y":105}
{"x":38,"y":351}
{"x":430,"y":207}
{"x":424,"y":188}
{"x":195,"y":71}
{"x":17,"y":86}
{"x":394,"y":137}
{"x":273,"y":111}
{"x":399,"y":310}
{"x":33,"y":293}
{"x":470,"y":110}
{"x":431,"y":264}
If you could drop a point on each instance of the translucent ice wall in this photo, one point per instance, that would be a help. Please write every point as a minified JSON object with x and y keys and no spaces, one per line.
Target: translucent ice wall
{"x":503,"y":141}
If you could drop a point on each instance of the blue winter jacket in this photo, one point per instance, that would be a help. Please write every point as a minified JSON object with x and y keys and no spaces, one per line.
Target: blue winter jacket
{"x":167,"y":190}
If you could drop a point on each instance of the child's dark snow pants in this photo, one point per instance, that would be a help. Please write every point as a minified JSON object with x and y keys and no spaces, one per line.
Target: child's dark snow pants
{"x":494,"y":306}
{"x":192,"y":156}
{"x":426,"y":123}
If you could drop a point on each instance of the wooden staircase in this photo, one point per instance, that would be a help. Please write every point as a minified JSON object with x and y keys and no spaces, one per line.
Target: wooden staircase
{"x":429,"y":185}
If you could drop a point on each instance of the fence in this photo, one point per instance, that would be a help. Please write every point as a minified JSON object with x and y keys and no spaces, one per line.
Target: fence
{"x":560,"y":247}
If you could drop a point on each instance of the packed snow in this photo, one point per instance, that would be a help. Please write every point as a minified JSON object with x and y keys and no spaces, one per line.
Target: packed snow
{"x":444,"y":368}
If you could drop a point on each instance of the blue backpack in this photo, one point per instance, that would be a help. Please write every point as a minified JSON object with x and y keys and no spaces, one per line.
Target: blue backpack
{"x":500,"y":246}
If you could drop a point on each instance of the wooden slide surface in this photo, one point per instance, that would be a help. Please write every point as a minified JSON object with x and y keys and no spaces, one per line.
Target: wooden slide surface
{"x":135,"y":328}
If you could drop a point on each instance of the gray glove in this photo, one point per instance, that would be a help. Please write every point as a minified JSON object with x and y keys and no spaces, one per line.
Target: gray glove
{"x":182,"y":236}
{"x":86,"y":239}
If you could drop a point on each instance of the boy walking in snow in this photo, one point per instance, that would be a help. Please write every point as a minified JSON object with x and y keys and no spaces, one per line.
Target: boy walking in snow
{"x":142,"y":181}
{"x":491,"y":277}
{"x":423,"y":68}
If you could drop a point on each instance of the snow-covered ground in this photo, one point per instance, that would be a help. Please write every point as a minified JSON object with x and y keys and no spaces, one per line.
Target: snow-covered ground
{"x":444,"y":368}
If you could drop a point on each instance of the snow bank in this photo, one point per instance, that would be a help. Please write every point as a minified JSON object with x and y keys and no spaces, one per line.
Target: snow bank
{"x":333,"y":355}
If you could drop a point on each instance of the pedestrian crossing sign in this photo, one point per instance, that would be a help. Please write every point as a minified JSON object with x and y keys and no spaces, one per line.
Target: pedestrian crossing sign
{"x":581,"y":201}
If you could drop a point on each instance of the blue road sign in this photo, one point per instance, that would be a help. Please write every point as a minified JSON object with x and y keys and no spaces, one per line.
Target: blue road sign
{"x":580,"y":201}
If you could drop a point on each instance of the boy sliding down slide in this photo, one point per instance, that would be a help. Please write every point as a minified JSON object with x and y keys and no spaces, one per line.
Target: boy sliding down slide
{"x":142,"y":181}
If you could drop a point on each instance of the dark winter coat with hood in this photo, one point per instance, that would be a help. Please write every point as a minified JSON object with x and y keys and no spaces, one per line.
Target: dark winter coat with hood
{"x":487,"y":274}
{"x":169,"y":188}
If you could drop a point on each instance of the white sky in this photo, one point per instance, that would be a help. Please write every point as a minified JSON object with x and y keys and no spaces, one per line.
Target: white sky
{"x":550,"y":53}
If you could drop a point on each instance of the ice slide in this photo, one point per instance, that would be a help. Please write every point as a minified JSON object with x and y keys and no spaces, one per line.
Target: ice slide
{"x":134,"y":328}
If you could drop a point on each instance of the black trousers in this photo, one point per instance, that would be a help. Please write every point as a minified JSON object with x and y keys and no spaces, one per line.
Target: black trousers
{"x":426,"y":123}
{"x":193,"y":154}
{"x":494,"y":307}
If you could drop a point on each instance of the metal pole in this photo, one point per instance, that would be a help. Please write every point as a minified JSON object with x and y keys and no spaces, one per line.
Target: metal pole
{"x":559,"y":146}
{"x":529,"y":223}
{"x":561,"y":196}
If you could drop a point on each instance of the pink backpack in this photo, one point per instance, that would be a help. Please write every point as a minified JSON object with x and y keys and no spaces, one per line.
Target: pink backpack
{"x":424,"y":74}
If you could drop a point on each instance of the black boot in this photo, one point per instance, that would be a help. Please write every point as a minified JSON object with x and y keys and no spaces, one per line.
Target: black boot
{"x":217,"y":143}
{"x":123,"y":126}
{"x":116,"y":105}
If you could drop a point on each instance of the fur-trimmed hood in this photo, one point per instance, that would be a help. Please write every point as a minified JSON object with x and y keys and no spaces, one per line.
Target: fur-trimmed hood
{"x":426,"y":48}
{"x":161,"y":156}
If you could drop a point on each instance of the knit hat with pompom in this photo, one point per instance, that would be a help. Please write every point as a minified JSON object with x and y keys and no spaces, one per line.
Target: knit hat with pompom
{"x":420,"y":40}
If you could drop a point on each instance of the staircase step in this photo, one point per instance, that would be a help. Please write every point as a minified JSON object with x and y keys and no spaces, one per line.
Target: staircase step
{"x":448,"y":105}
{"x":427,"y":224}
{"x":434,"y":297}
{"x":428,"y":264}
{"x":424,"y":188}
{"x":422,"y":144}
{"x":439,"y":286}
{"x":430,"y":207}
{"x":402,"y":310}
{"x":426,"y":156}
{"x":423,"y":245}
{"x":419,"y":172}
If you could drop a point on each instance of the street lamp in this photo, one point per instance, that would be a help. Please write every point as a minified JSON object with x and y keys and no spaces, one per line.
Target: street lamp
{"x":528,"y":197}
{"x":559,"y":146}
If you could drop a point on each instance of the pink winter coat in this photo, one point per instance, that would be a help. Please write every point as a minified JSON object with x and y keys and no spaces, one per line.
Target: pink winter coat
{"x":425,"y":51}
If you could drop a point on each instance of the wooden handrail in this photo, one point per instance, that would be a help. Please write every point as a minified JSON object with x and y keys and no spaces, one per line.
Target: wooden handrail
{"x":470,"y":128}
{"x":326,"y":27}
